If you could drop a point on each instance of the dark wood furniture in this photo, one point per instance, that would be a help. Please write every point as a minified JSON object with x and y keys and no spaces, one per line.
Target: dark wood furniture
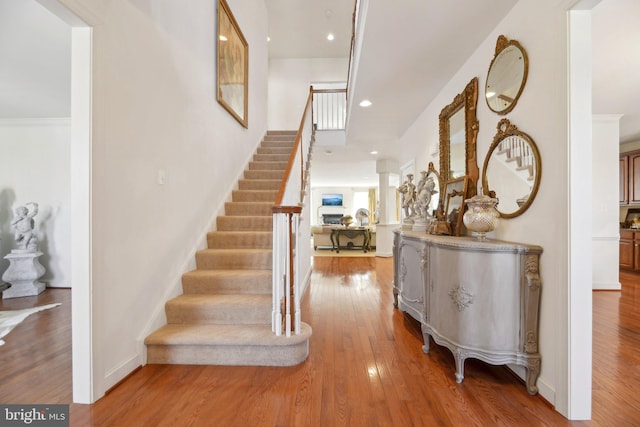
{"x":630,"y":250}
{"x":630,"y":178}
{"x":350,"y":232}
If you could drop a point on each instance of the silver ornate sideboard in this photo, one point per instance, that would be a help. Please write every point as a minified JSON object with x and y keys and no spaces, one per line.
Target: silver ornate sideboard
{"x":478,"y":298}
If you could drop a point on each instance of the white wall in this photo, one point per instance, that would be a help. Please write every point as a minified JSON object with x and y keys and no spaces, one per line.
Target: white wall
{"x":606,"y":227}
{"x":34,"y":167}
{"x":289,"y":81}
{"x":541,"y":112}
{"x":155,"y":112}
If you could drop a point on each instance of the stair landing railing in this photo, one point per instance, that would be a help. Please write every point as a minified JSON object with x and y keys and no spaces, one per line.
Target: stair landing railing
{"x":286,"y":315}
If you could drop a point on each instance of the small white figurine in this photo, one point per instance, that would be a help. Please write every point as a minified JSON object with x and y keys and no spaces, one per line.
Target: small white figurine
{"x":24,"y":225}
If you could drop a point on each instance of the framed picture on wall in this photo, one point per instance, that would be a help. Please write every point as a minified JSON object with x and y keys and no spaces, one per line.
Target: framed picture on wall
{"x":233,"y":65}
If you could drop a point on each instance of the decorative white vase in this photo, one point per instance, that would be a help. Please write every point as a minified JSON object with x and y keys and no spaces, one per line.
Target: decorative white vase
{"x":482,"y":216}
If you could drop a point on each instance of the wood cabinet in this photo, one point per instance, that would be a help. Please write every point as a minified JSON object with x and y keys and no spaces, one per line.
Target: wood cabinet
{"x":624,"y":180}
{"x":630,"y":250}
{"x":630,"y":178}
{"x":480,"y":299}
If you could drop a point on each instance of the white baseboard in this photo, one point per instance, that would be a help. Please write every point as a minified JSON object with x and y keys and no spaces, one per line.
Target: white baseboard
{"x":612,"y":286}
{"x":544,"y":389}
{"x":58,"y":285}
{"x":384,"y":254}
{"x":120,"y":372}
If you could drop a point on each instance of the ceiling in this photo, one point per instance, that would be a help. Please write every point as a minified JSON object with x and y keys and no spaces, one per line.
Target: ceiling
{"x":34,"y":74}
{"x":35,"y":47}
{"x":429,"y":49}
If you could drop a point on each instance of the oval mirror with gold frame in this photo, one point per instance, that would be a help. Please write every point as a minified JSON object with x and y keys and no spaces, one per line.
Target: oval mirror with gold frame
{"x":512,"y":169}
{"x":458,"y":135}
{"x":507,"y":75}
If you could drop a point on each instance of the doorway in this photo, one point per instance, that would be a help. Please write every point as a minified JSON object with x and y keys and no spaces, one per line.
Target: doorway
{"x":85,"y":389}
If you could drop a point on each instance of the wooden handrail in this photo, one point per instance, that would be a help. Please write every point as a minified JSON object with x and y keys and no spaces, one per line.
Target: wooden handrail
{"x":353,"y":41}
{"x":297,"y":145}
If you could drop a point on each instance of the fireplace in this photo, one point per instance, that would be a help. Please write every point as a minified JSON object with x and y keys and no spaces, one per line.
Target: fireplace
{"x":331,"y":218}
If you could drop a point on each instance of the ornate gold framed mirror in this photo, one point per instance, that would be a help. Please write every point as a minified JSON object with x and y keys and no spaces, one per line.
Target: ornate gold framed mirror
{"x":458,"y":135}
{"x":512,"y":169}
{"x":506,"y":76}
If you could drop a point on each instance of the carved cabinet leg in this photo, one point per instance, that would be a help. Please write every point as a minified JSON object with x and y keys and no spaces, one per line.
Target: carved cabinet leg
{"x":425,"y":337}
{"x":459,"y":356}
{"x":533,"y":371}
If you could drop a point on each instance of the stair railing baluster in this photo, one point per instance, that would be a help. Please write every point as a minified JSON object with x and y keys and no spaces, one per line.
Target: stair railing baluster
{"x":286,"y":219}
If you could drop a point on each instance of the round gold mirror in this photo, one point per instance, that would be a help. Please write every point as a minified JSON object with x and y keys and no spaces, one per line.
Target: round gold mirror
{"x":512,"y":169}
{"x":507,"y":76}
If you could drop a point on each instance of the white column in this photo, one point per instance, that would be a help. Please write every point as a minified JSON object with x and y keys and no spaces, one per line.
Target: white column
{"x":383,"y":193}
{"x":384,"y":230}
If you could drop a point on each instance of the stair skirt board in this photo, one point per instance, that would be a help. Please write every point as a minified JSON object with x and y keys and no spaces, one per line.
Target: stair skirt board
{"x":224,"y":315}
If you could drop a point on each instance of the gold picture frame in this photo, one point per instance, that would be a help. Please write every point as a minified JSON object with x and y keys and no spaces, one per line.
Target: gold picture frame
{"x":455,"y":192}
{"x":232,"y":65}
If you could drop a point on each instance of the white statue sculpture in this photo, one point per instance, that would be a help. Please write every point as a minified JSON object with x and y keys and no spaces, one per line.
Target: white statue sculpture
{"x":424,"y":196}
{"x":408,"y":191}
{"x":24,"y":268}
{"x":24,"y":227}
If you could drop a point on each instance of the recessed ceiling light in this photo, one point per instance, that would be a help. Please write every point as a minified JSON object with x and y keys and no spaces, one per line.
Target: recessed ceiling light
{"x":268,"y":39}
{"x":365,"y":103}
{"x":330,"y":37}
{"x":373,"y":152}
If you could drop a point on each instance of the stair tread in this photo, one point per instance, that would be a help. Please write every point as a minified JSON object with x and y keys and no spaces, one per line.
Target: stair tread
{"x":221,"y":299}
{"x":211,"y":334}
{"x":240,"y":250}
{"x":224,"y":316}
{"x":229,"y":272}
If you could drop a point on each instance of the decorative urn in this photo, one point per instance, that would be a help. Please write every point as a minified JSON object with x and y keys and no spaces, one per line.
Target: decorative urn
{"x":482,"y":216}
{"x":346,"y":220}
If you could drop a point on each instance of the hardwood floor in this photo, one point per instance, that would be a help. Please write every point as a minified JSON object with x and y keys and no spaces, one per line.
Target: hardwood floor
{"x":365,"y":368}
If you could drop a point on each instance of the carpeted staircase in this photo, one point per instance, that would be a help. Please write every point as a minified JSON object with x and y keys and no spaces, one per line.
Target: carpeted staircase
{"x":224,"y":315}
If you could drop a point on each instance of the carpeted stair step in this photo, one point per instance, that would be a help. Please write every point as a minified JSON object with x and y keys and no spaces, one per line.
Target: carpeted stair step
{"x":244,"y":223}
{"x":222,"y":309}
{"x":264,"y":174}
{"x":278,"y":143}
{"x":259,"y":184}
{"x":271,"y":157}
{"x":254,"y":195}
{"x":230,"y":345}
{"x":248,"y":208}
{"x":233,"y":259}
{"x":227,"y":282}
{"x":239,"y":239}
{"x":279,"y":137}
{"x":267,"y":165}
{"x":274,"y":150}
{"x":289,"y":132}
{"x":224,"y":315}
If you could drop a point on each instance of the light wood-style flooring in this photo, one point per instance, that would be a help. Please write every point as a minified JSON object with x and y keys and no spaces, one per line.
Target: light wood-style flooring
{"x":365,"y":368}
